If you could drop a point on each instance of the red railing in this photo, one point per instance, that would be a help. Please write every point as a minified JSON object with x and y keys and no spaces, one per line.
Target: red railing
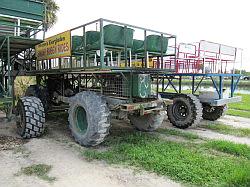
{"x":203,"y":57}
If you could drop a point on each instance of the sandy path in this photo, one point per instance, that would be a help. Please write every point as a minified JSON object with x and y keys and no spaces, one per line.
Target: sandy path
{"x":218,"y":136}
{"x":70,"y":169}
{"x":235,"y":121}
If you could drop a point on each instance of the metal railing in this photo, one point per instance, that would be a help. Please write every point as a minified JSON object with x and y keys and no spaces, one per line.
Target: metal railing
{"x":113,"y":57}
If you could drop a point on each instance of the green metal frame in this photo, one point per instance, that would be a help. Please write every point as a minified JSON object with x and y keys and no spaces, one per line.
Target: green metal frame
{"x":102,"y":66}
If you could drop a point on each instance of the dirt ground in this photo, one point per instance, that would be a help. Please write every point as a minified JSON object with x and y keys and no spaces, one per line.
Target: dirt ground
{"x":69,"y":167}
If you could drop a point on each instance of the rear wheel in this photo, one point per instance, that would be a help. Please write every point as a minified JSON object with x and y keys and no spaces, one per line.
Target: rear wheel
{"x":89,"y":118}
{"x":30,"y":117}
{"x":185,"y":111}
{"x":213,"y":113}
{"x":149,"y":122}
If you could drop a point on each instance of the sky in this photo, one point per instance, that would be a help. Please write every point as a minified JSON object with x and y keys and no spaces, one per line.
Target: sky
{"x":221,"y":21}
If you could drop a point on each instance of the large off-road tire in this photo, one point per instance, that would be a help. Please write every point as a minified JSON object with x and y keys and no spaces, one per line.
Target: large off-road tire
{"x":185,"y":111}
{"x":89,"y":118}
{"x":39,"y":92}
{"x":30,"y":117}
{"x":213,"y":113}
{"x":148,"y":122}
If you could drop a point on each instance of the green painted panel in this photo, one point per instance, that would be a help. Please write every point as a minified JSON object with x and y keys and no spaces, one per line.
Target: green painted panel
{"x":141,"y":85}
{"x":23,"y":8}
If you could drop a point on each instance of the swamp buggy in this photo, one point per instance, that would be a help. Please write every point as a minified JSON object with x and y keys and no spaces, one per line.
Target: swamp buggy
{"x":106,"y":69}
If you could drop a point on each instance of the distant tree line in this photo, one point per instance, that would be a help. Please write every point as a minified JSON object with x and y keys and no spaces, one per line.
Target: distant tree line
{"x":243,"y":72}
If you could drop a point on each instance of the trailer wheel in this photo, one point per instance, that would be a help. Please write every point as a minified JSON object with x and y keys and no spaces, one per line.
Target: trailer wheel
{"x":185,"y":111}
{"x":148,"y":122}
{"x":39,"y":92}
{"x":30,"y":117}
{"x":213,"y":113}
{"x":89,"y":118}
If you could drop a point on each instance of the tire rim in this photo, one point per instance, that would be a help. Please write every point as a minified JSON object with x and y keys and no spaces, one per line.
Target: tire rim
{"x":81,"y":119}
{"x":180,"y":110}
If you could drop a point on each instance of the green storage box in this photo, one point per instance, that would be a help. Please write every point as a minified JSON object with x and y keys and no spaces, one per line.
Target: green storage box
{"x":141,"y":85}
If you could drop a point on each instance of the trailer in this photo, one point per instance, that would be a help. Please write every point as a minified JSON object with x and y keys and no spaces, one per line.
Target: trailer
{"x":106,"y":69}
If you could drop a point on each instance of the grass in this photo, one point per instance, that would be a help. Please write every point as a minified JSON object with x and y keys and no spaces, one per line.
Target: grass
{"x":175,"y":132}
{"x":229,"y":147}
{"x":243,"y":105}
{"x":226,"y":129}
{"x":240,"y":113}
{"x":242,"y":108}
{"x":185,"y":162}
{"x":39,"y":170}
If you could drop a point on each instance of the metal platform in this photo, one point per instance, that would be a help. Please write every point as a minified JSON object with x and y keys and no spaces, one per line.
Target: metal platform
{"x":111,"y":49}
{"x":13,"y":45}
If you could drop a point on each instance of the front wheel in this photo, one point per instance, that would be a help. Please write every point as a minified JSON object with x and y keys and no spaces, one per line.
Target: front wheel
{"x":89,"y":118}
{"x":30,"y":117}
{"x":185,"y":111}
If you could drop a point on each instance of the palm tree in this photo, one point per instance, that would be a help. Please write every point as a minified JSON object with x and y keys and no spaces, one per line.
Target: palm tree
{"x":51,"y":10}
